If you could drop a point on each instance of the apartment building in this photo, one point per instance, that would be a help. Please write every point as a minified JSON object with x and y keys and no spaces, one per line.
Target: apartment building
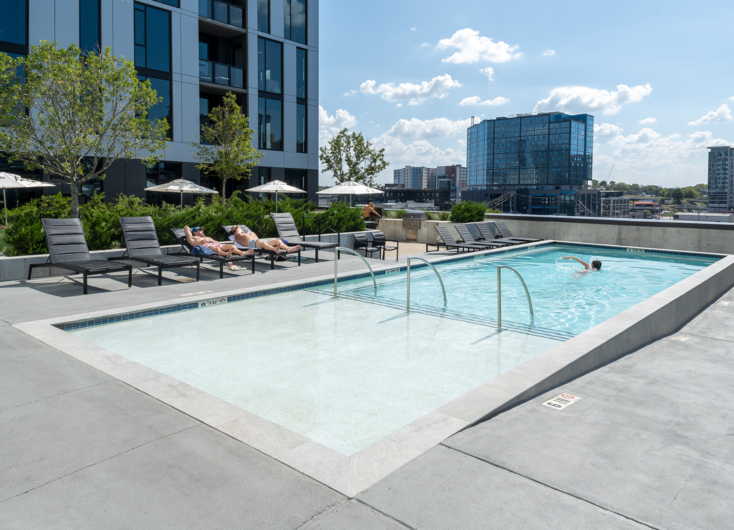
{"x":194,"y":52}
{"x":721,"y":178}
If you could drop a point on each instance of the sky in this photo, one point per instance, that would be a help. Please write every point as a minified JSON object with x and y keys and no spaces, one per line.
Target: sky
{"x":657,"y":75}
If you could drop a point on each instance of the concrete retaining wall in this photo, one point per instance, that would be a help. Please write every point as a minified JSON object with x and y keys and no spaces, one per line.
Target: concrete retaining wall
{"x":716,"y":238}
{"x":393,"y":229}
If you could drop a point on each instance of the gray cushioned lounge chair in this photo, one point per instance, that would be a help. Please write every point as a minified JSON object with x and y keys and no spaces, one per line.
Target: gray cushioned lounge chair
{"x":449,"y":242}
{"x":186,"y":249}
{"x":287,"y":231}
{"x":469,"y":239}
{"x":272,"y":256}
{"x":141,"y":244}
{"x":67,"y":249}
{"x":506,"y":234}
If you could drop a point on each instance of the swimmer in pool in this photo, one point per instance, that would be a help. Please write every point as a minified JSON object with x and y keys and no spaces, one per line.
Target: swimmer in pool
{"x":595,"y":265}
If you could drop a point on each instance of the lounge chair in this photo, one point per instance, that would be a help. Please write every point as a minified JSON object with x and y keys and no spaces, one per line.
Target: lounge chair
{"x":141,"y":244}
{"x":287,"y":231}
{"x":506,"y":234}
{"x":449,"y":242}
{"x":487,"y":230}
{"x":379,"y":241}
{"x":67,"y":249}
{"x":281,"y":256}
{"x":469,"y":239}
{"x":186,"y":249}
{"x":361,"y":241}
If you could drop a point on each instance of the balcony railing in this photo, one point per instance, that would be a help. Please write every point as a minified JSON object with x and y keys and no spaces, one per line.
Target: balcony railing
{"x":221,"y":12}
{"x":221,"y":74}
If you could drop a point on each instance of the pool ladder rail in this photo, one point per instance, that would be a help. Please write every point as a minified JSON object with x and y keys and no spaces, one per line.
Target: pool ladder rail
{"x":336,"y":267}
{"x":499,"y":296}
{"x":445,"y":300}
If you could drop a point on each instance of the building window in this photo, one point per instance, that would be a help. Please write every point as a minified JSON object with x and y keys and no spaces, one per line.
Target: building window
{"x":269,"y":66}
{"x":14,"y":26}
{"x":270,"y":124}
{"x":174,"y":3}
{"x":301,"y":129}
{"x":301,"y":73}
{"x":152,"y":38}
{"x":164,"y":109}
{"x":297,"y":178}
{"x":295,"y":20}
{"x":263,"y":16}
{"x":89,"y":26}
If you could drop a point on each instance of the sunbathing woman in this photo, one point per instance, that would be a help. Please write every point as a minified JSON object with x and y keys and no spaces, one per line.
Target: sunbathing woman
{"x":196,"y":238}
{"x":251,"y":241}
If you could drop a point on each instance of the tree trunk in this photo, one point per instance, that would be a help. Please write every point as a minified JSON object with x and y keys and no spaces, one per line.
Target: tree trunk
{"x":74,"y":198}
{"x":224,"y":189}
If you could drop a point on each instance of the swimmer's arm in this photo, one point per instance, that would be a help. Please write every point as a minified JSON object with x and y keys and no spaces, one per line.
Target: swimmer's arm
{"x":586,"y":265}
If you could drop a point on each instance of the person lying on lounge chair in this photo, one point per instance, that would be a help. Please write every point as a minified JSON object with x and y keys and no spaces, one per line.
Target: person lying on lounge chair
{"x":595,"y":265}
{"x":203,"y":245}
{"x":250,"y":240}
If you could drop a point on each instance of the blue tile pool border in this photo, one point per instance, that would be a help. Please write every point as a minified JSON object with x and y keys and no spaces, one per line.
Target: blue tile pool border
{"x":467,"y":256}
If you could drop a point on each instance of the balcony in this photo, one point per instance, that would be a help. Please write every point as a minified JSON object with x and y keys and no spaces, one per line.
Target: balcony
{"x":222,"y":12}
{"x":221,"y":74}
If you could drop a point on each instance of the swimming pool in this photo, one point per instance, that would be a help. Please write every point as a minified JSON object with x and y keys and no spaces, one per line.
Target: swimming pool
{"x":566,"y":300}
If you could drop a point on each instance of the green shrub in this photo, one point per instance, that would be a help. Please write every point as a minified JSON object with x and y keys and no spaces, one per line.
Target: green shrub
{"x":468,"y":212}
{"x":100,"y":220}
{"x":439,"y":216}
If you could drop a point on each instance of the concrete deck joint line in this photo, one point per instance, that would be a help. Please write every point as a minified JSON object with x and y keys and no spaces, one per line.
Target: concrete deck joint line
{"x":55,"y":395}
{"x":540,"y":483}
{"x":401,"y":523}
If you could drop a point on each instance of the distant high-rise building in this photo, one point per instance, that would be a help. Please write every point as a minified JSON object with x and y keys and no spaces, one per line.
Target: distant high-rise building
{"x":457,"y":174}
{"x":414,"y":177}
{"x":550,"y":152}
{"x":721,"y":178}
{"x":411,"y":177}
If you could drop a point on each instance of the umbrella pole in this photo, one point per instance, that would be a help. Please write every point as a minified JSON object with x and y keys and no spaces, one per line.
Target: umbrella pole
{"x":182,"y":202}
{"x":5,"y":204}
{"x":276,"y":202}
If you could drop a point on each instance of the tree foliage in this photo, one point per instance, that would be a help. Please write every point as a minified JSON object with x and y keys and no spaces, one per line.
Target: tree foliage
{"x":73,"y":115}
{"x":468,"y":212}
{"x":226,"y":149}
{"x":352,"y":157}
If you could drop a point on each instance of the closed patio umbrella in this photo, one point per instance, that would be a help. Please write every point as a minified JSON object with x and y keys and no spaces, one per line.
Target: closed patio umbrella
{"x":276,"y":186}
{"x":10,"y":181}
{"x":351,"y":188}
{"x":182,"y":186}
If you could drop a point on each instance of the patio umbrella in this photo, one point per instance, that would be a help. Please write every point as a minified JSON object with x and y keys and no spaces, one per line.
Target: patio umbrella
{"x":351,"y":188}
{"x":182,"y":186}
{"x":275,"y":186}
{"x":10,"y":181}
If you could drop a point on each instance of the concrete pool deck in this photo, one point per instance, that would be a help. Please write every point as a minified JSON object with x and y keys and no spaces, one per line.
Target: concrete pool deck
{"x":80,"y":449}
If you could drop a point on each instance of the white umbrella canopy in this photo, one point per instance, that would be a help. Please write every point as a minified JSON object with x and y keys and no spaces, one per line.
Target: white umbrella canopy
{"x":350,"y":188}
{"x":182,"y":186}
{"x":9,"y":181}
{"x":275,"y":186}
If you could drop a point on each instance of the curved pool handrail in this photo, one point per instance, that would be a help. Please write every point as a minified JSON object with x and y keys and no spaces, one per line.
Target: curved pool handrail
{"x":336,"y":266}
{"x":499,"y":295}
{"x":445,"y":300}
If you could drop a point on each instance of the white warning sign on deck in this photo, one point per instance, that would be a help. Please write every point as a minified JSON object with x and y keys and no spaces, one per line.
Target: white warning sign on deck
{"x":562,"y":401}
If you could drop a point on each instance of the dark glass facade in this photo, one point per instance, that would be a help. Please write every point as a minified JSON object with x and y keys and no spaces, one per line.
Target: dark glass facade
{"x":270,"y":124}
{"x":263,"y":16}
{"x":301,"y":72}
{"x":269,"y":66}
{"x":301,"y":129}
{"x":295,"y":20}
{"x":89,"y":26}
{"x":550,"y":150}
{"x":14,"y":26}
{"x":174,"y":3}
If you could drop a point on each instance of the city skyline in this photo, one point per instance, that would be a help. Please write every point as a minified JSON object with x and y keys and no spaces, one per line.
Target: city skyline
{"x":654,"y":81}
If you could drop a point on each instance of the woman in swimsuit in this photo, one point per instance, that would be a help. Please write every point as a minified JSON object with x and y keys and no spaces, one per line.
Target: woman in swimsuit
{"x":196,"y":238}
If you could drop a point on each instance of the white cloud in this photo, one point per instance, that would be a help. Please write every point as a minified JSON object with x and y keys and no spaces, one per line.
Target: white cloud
{"x":436,"y":128}
{"x":413,"y":29}
{"x":549,"y":53}
{"x":651,"y":158}
{"x":477,"y":101}
{"x":731,"y":98}
{"x":489,"y":72}
{"x":329,"y":126}
{"x":473,"y":48}
{"x":721,"y":114}
{"x":648,"y":121}
{"x":417,"y":153}
{"x":425,"y":44}
{"x":577,"y":99}
{"x":438,"y":88}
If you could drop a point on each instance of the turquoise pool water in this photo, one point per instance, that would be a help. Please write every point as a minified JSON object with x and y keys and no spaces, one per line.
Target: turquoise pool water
{"x":565,"y":299}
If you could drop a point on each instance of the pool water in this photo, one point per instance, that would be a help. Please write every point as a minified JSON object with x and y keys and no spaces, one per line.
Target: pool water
{"x":565,"y":299}
{"x":349,"y":371}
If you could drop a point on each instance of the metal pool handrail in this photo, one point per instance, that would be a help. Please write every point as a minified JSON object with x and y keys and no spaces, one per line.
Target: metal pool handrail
{"x":336,"y":266}
{"x":499,"y":295}
{"x":445,"y":300}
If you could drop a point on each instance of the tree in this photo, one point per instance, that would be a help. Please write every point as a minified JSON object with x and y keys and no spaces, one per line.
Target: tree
{"x":73,"y":115}
{"x":603,"y":184}
{"x":676,"y":195}
{"x":227,"y":149}
{"x":594,"y":183}
{"x":351,"y":157}
{"x":690,"y":193}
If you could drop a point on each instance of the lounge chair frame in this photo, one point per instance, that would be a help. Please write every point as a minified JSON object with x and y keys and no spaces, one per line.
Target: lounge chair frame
{"x":186,"y":249}
{"x":272,"y":256}
{"x":288,"y":231}
{"x":449,"y":242}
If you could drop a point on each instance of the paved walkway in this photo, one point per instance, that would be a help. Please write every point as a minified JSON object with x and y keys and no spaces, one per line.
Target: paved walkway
{"x":649,"y":445}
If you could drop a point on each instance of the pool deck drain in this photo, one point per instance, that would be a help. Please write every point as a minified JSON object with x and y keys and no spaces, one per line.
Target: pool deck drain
{"x":81,"y":450}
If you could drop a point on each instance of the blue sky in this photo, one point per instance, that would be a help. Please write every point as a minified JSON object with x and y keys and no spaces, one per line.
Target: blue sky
{"x":658,"y":76}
